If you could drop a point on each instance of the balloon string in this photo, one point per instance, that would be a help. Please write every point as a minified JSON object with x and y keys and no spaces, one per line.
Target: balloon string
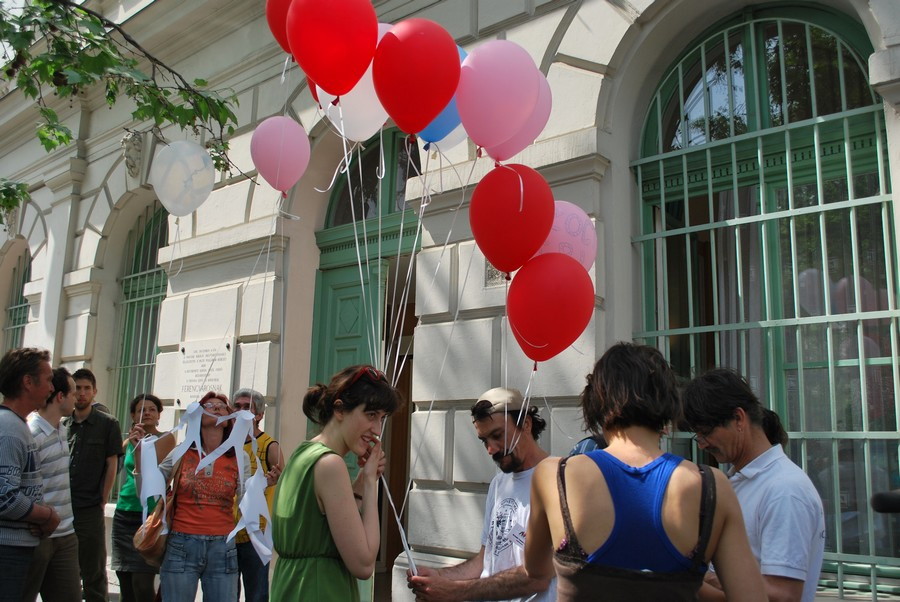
{"x":176,"y":245}
{"x":439,"y":379}
{"x":403,"y":540}
{"x":287,"y":61}
{"x":381,"y":170}
{"x":456,"y":211}
{"x":400,"y":320}
{"x":521,"y":184}
{"x":530,"y":344}
{"x":341,"y":168}
{"x":524,"y":409}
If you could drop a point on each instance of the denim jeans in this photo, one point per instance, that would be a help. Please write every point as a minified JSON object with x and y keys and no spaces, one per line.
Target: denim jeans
{"x":205,"y":559}
{"x":254,"y":573}
{"x":15,"y":561}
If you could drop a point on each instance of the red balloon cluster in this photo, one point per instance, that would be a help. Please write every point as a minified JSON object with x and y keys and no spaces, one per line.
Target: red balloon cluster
{"x":551,"y":298}
{"x":413,"y":74}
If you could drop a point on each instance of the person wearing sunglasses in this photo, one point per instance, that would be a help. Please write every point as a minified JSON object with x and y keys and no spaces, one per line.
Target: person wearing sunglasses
{"x":785,"y":520}
{"x":631,"y":522}
{"x":325,"y":527}
{"x":198,"y":550}
{"x":509,"y":430}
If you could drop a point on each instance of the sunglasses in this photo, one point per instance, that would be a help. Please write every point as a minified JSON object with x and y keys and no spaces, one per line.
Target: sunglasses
{"x":373,"y":374}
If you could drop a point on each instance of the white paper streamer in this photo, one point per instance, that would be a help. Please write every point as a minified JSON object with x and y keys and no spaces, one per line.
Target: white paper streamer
{"x":153,"y":485}
{"x":252,"y":503}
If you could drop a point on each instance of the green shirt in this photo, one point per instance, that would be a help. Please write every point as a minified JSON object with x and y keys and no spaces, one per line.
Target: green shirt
{"x":128,"y":494}
{"x":309,"y":566}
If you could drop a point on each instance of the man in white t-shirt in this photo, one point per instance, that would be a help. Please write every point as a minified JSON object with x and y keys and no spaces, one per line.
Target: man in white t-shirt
{"x":509,"y":431}
{"x":782,"y":510}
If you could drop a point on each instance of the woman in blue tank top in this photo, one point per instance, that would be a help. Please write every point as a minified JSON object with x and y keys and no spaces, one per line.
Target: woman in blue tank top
{"x":630,"y":522}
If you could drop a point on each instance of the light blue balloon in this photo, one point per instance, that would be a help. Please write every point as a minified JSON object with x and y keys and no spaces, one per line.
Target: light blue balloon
{"x":447,"y":120}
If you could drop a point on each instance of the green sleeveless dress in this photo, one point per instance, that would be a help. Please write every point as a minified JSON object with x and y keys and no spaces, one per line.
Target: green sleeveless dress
{"x":309,"y":566}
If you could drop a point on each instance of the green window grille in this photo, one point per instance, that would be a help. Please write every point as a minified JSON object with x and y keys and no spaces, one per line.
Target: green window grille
{"x":768,"y":246}
{"x":17,"y":308}
{"x":143,"y":291}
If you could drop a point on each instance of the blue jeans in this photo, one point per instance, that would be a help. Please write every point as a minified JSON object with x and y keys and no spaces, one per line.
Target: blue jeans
{"x":205,"y":559}
{"x":254,"y":573}
{"x":15,"y":561}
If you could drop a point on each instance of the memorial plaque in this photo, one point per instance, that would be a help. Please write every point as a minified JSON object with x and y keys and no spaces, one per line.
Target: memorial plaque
{"x":205,"y":366}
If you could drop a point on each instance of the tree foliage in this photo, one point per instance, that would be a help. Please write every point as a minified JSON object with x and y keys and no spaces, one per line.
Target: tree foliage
{"x":59,"y":48}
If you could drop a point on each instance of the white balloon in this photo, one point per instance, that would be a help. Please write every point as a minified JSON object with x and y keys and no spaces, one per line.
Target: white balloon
{"x":182,"y":176}
{"x":451,"y":140}
{"x":360,"y":111}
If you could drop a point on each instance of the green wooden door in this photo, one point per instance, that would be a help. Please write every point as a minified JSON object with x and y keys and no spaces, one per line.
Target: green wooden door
{"x":347,"y":328}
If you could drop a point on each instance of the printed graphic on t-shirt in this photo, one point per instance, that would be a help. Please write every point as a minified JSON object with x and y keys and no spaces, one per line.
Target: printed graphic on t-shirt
{"x":507,"y":528}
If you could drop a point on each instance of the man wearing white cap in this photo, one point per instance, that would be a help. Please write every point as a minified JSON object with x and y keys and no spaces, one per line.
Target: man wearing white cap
{"x":509,"y":431}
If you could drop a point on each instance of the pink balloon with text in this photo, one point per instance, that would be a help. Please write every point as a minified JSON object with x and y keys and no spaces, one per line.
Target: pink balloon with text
{"x":572,"y":234}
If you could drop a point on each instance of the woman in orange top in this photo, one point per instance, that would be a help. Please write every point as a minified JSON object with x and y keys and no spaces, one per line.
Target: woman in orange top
{"x":196,"y":550}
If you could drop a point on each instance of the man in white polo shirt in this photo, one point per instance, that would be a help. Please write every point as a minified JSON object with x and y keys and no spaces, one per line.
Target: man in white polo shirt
{"x":54,"y":571}
{"x":781,"y":507}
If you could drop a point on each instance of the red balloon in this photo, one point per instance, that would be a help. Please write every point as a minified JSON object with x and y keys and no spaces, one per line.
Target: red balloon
{"x":333,"y":41}
{"x":511,"y":213}
{"x":312,"y":90}
{"x":415,"y":71}
{"x":276,"y":16}
{"x":551,"y":301}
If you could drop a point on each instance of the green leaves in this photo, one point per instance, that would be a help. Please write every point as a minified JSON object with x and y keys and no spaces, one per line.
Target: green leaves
{"x":12,"y":195}
{"x":80,"y":48}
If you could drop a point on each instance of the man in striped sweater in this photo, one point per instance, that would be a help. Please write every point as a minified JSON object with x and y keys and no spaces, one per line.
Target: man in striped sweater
{"x":54,"y":572}
{"x":26,"y":381}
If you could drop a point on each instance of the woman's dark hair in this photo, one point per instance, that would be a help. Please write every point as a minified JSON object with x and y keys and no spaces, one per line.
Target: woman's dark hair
{"x":710,"y":400}
{"x":631,"y":385}
{"x":353,"y":385}
{"x":210,"y":395}
{"x":133,"y":404}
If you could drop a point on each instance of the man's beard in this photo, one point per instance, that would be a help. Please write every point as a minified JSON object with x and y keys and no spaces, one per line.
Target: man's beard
{"x":513,"y":464}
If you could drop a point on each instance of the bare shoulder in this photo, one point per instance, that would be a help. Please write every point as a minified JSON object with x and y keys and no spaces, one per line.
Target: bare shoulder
{"x":331,"y":465}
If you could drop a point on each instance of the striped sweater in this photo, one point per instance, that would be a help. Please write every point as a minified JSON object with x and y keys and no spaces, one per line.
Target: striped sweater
{"x":20,"y":479}
{"x":53,"y":450}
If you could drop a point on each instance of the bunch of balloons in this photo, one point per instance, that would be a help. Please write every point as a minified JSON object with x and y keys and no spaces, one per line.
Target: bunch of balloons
{"x":518,"y":226}
{"x":362,"y":72}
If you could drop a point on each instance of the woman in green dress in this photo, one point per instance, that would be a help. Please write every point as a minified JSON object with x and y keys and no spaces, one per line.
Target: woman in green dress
{"x":325,"y":528}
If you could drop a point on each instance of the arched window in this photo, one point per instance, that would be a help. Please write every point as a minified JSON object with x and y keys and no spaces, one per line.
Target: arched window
{"x":767,"y":246}
{"x":17,"y":305}
{"x":143,"y":291}
{"x":369,"y":192}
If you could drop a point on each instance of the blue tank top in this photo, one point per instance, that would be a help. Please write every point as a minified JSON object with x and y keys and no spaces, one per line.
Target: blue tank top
{"x":638,"y":540}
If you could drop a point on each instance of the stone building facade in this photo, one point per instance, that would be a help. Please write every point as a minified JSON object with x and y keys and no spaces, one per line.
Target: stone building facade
{"x":736,"y":156}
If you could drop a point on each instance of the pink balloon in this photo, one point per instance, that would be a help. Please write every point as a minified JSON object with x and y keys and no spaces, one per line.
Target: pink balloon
{"x":498,"y":90}
{"x":280,"y":151}
{"x":531,"y":129}
{"x":572,"y":234}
